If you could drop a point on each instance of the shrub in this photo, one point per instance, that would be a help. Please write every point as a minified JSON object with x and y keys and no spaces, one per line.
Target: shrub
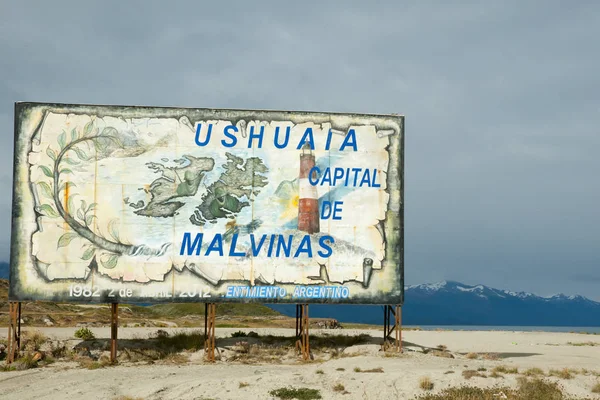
{"x":239,"y":334}
{"x":299,"y":394}
{"x":471,"y":356}
{"x":564,"y":373}
{"x":596,"y":388}
{"x":84,"y":334}
{"x":339,"y":388}
{"x":425,"y":383}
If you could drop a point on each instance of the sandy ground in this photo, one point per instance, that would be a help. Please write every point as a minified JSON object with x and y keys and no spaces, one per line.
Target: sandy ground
{"x":399,"y":380}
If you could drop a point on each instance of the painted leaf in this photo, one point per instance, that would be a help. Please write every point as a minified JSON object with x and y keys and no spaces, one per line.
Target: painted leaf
{"x":46,"y":189}
{"x":70,"y":204}
{"x":78,"y":168}
{"x":51,"y":153}
{"x":62,"y":139}
{"x":92,"y":207}
{"x":64,"y":185}
{"x":83,"y":205}
{"x":112,"y":229}
{"x":74,"y":135}
{"x":80,"y":215}
{"x":48,"y":211}
{"x":65,"y":171}
{"x":109,"y":131}
{"x":70,"y":161}
{"x":46,"y":171}
{"x":89,"y":219}
{"x":66,"y":238}
{"x":89,"y":253}
{"x":80,"y":153}
{"x":111,"y":262}
{"x":87,"y":129}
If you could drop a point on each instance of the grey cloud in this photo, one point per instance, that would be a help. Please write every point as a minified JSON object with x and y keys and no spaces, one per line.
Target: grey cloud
{"x":502,"y":105}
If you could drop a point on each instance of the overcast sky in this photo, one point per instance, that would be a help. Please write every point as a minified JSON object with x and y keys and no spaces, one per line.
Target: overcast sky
{"x":501,"y":98}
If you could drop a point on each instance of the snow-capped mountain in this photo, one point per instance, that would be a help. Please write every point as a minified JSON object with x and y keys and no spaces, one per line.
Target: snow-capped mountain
{"x":454,"y":303}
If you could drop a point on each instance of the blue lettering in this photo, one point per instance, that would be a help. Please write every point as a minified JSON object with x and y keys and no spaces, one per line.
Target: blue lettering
{"x":366,"y":178}
{"x":198,"y":129}
{"x":337,"y":174}
{"x":324,"y":245}
{"x":287,"y":137}
{"x":232,"y":252}
{"x":258,"y":136}
{"x":314,"y":171}
{"x":345,"y":292}
{"x":328,"y":140}
{"x":337,"y":209}
{"x":187,"y":241}
{"x":255,"y":248}
{"x":282,"y":244}
{"x":375,"y":184}
{"x":229,"y":291}
{"x":304,"y":247}
{"x":216,"y":245}
{"x":349,"y":140}
{"x":308,"y":134}
{"x":230,"y":135}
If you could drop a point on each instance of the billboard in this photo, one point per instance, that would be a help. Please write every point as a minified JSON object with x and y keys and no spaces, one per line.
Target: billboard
{"x":151,"y":204}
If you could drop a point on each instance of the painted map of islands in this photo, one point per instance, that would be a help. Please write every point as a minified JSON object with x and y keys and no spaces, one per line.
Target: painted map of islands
{"x":223,"y":198}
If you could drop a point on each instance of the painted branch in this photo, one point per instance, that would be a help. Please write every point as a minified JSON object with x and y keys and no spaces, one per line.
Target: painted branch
{"x":84,"y":231}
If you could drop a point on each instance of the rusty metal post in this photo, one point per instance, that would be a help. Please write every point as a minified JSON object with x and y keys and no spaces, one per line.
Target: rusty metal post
{"x":209,"y":344}
{"x":398,"y":315}
{"x":205,"y":322}
{"x":305,"y":333}
{"x":386,"y":327}
{"x":114,"y":327}
{"x":19,"y":327}
{"x":14,"y":331}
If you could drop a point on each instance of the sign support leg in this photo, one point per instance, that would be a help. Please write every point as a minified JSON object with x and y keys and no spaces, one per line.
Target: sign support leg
{"x":209,"y":344}
{"x":389,"y":326}
{"x":305,"y":333}
{"x":14,"y":330}
{"x":205,"y":322}
{"x":398,"y":324}
{"x":114,"y":327}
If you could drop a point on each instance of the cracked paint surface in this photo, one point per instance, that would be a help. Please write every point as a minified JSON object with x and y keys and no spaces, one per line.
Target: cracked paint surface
{"x":105,"y":195}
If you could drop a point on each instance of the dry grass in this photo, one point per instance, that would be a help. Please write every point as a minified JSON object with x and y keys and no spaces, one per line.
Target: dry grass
{"x":448,"y":372}
{"x":583,"y":344}
{"x":533,"y":372}
{"x":503,"y":369}
{"x":378,"y":369}
{"x":299,"y":393}
{"x":470,"y":373}
{"x":472,"y":356}
{"x":33,"y":340}
{"x":425,"y":383}
{"x":340,"y":369}
{"x":320,"y":372}
{"x":495,"y":374}
{"x":88,"y":363}
{"x":440,"y":353}
{"x":596,"y":388}
{"x":490,"y":356}
{"x":244,"y":384}
{"x":564,"y":373}
{"x":339,"y":388}
{"x":528,"y":390}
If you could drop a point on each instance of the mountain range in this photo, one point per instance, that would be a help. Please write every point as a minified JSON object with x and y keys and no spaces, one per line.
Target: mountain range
{"x":454,"y":303}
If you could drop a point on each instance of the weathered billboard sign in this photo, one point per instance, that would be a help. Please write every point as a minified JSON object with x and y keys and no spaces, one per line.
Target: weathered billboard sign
{"x":148,"y":204}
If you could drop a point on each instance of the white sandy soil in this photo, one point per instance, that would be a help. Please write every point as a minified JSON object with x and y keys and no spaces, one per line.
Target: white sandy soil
{"x":400,"y":379}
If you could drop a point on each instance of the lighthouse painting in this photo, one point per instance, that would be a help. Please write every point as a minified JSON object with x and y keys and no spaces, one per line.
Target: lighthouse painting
{"x":308,"y":202}
{"x":165,"y":204}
